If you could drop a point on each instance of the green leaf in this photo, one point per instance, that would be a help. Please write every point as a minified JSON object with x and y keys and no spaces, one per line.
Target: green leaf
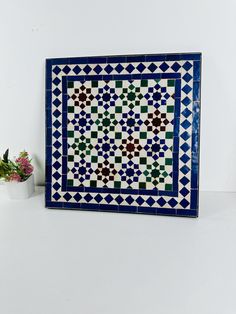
{"x":5,"y":156}
{"x":5,"y":169}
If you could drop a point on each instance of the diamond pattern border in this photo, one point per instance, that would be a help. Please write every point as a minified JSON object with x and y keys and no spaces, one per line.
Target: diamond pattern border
{"x":186,"y":148}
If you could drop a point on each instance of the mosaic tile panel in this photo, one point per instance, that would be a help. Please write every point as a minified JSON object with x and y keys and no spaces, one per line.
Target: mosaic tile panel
{"x":123,"y":133}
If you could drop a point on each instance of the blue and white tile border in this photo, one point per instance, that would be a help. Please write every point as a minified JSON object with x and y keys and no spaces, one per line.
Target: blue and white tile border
{"x":189,"y":67}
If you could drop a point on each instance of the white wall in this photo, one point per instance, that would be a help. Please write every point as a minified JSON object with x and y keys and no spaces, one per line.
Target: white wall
{"x":32,"y":30}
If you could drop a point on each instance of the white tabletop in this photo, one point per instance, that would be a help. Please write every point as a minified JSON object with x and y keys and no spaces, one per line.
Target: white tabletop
{"x":72,"y":262}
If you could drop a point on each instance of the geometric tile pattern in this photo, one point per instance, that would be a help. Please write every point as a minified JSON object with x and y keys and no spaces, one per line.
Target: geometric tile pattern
{"x":122,"y":133}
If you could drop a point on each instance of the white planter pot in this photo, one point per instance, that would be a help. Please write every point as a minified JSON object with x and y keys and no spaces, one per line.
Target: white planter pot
{"x":20,"y":190}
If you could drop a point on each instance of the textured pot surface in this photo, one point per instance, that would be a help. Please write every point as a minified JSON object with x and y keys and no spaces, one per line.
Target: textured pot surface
{"x":20,"y":190}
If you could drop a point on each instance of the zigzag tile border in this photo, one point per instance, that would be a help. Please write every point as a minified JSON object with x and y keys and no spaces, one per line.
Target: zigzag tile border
{"x":165,"y":119}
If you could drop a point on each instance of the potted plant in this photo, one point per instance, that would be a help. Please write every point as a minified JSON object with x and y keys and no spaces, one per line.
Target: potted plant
{"x":18,"y":175}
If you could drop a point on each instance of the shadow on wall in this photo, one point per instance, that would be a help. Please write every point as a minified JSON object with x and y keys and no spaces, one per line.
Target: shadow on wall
{"x":39,"y":169}
{"x":38,"y":136}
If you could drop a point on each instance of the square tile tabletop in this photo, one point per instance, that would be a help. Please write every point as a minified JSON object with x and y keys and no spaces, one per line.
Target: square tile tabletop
{"x":122,"y":133}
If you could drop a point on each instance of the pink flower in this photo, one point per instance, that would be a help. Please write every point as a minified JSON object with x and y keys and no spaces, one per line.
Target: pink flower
{"x":28,"y":170}
{"x":15,"y":177}
{"x":22,"y":161}
{"x":25,"y":165}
